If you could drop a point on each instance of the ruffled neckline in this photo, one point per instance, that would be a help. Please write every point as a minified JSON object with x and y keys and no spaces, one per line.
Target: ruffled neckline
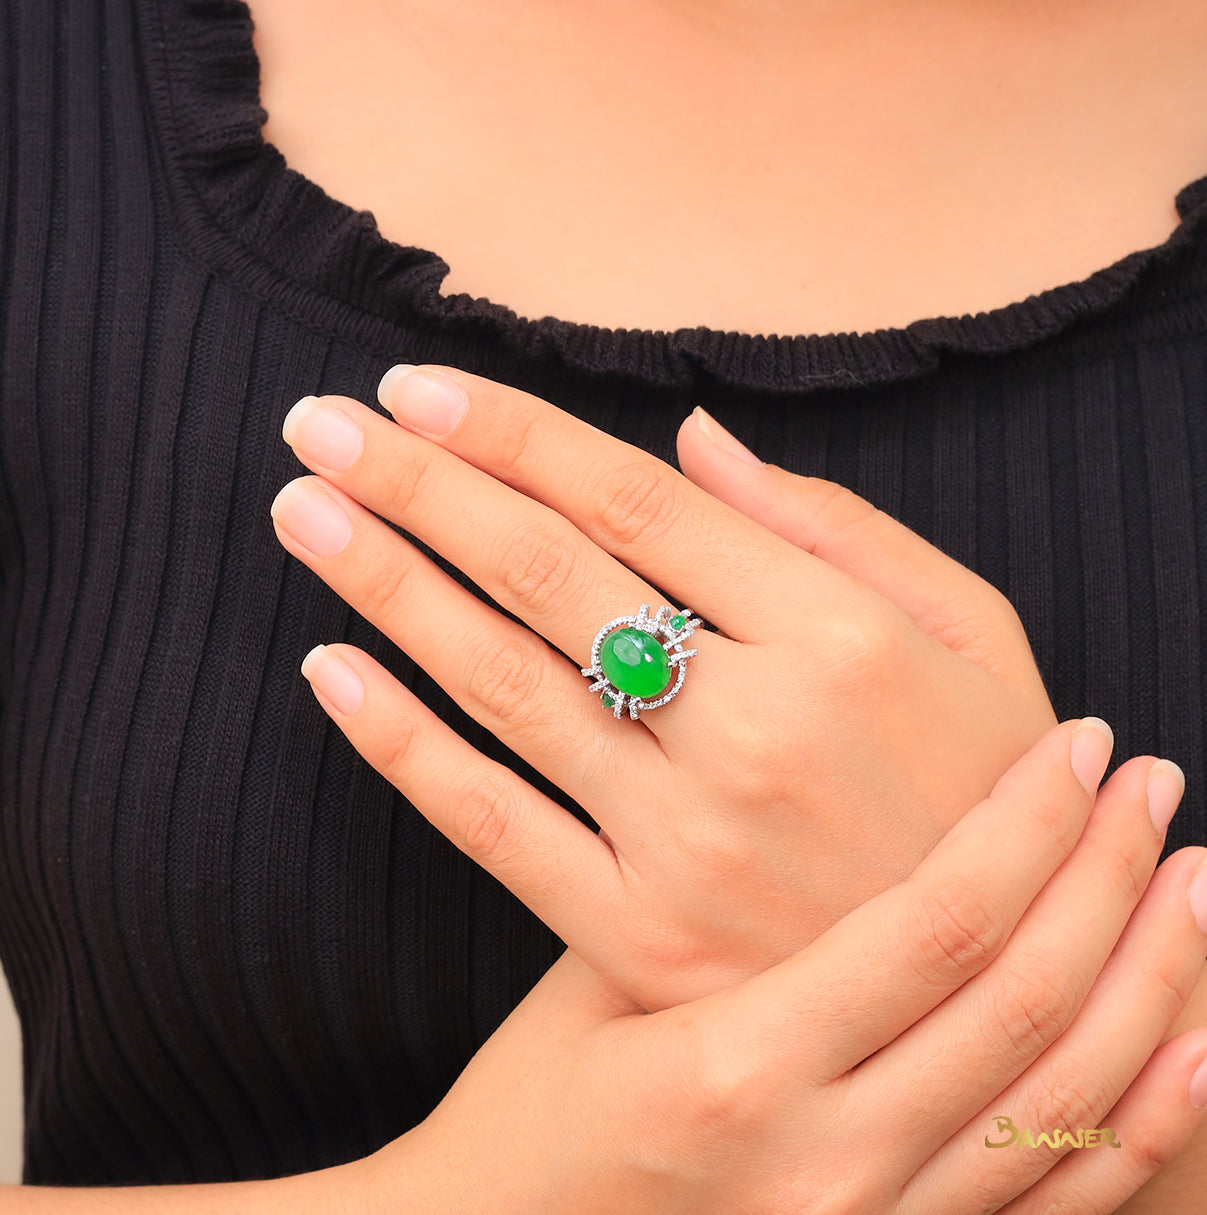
{"x":245,"y":212}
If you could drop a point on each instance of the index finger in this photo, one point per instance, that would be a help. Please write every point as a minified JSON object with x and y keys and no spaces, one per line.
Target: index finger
{"x":735,"y":572}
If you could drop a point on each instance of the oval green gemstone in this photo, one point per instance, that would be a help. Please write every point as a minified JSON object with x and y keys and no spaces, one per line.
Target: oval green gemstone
{"x":635,"y":663}
{"x":677,"y":622}
{"x":607,"y":701}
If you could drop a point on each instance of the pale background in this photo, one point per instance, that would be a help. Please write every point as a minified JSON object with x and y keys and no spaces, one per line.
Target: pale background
{"x":10,"y":1089}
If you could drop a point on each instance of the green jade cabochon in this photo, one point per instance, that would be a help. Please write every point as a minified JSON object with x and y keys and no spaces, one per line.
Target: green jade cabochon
{"x":635,"y":663}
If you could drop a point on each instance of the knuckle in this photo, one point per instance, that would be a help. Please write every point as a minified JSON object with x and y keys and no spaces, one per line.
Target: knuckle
{"x":484,"y":820}
{"x":971,"y":623}
{"x":539,"y":567}
{"x":1066,"y":1103}
{"x":685,"y":1115}
{"x":761,"y":755}
{"x":729,"y":1091}
{"x":839,"y":1194}
{"x":1150,"y":1147}
{"x":503,"y":679}
{"x":722,"y":854}
{"x":859,"y":1191}
{"x":858,"y":649}
{"x":667,"y":948}
{"x":1055,"y":814}
{"x":410,"y":473}
{"x":999,"y":606}
{"x":1172,"y":982}
{"x":1035,"y":1008}
{"x":981,"y":605}
{"x":636,"y":503}
{"x":954,"y":933}
{"x":387,"y":586}
{"x":835,"y":508}
{"x":1073,"y":1199}
{"x":514,"y":446}
{"x":1123,"y":865}
{"x":399,"y":752}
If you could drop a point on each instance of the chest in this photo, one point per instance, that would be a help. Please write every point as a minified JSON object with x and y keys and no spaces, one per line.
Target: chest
{"x":632,"y":176}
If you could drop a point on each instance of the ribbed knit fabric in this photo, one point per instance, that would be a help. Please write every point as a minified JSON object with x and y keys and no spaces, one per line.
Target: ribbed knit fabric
{"x":235,"y":949}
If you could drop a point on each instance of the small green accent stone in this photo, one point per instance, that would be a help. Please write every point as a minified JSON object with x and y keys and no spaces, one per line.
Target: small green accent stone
{"x":608,"y":702}
{"x":677,"y":622}
{"x":635,"y":662}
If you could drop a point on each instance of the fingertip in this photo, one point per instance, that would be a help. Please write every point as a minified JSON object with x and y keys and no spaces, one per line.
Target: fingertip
{"x":311,"y":661}
{"x":721,"y":440}
{"x":1196,"y":1092}
{"x":385,"y":386}
{"x":329,"y":674}
{"x":1166,"y":785}
{"x":1090,"y":752}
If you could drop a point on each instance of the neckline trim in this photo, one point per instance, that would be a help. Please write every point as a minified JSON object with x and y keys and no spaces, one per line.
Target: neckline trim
{"x":242,"y":210}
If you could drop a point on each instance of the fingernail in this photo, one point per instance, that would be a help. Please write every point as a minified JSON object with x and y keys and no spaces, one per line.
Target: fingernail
{"x":718,"y":436}
{"x":335,"y":679}
{"x":391,"y":377}
{"x":312,"y":517}
{"x":1198,"y":1086}
{"x":1093,"y":742}
{"x":424,"y":400}
{"x":323,"y":435}
{"x":1166,"y":784}
{"x":1197,"y":893}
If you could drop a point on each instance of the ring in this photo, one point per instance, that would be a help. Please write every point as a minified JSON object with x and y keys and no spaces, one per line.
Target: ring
{"x":633,"y":657}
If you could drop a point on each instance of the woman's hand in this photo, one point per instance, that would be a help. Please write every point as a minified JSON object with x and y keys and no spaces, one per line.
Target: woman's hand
{"x":817,"y":751}
{"x":867,"y":1072}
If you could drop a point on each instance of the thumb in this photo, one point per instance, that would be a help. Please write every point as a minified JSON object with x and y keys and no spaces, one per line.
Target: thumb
{"x":944,"y":598}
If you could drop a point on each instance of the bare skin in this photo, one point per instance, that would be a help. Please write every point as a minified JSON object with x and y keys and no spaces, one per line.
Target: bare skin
{"x":864,"y":168}
{"x":760,"y":168}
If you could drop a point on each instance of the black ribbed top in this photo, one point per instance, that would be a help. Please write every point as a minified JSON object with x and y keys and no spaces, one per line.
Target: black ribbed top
{"x":235,"y":949}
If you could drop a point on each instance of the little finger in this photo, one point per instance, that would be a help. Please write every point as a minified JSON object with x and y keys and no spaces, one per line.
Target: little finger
{"x":548,"y":859}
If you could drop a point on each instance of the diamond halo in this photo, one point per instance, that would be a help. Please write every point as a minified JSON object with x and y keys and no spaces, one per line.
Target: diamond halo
{"x":670,"y":629}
